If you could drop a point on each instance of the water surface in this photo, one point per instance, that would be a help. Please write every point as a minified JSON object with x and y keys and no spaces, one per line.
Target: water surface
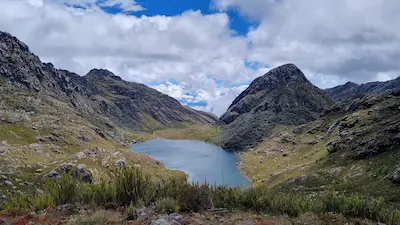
{"x":200,"y":160}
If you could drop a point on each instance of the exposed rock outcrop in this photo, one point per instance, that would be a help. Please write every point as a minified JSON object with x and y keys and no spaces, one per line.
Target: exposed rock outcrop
{"x":352,"y":90}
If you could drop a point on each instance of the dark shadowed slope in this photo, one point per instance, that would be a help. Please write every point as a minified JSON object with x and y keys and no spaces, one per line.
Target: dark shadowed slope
{"x":352,"y":90}
{"x":100,"y":96}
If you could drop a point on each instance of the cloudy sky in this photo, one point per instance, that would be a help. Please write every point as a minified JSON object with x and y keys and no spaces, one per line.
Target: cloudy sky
{"x":205,"y":52}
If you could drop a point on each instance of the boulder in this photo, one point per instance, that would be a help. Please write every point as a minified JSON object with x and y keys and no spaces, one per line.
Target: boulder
{"x":3,"y":147}
{"x":395,"y":176}
{"x":78,"y":171}
{"x":143,"y":214}
{"x":67,"y":209}
{"x":120,"y":164}
{"x":53,"y":174}
{"x":36,"y":147}
{"x":172,"y":219}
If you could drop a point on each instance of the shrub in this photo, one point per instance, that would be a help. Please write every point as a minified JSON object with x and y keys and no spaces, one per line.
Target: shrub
{"x":167,"y":205}
{"x":131,"y":187}
{"x":67,"y":190}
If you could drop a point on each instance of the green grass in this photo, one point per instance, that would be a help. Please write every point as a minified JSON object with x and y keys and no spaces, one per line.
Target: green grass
{"x":131,"y":187}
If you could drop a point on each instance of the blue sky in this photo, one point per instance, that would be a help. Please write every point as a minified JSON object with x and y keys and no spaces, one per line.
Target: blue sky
{"x":205,"y":52}
{"x":238,"y":23}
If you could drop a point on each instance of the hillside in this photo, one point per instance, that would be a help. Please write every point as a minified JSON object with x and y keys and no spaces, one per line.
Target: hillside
{"x":354,"y":147}
{"x":283,"y":96}
{"x":52,"y":120}
{"x":352,"y":90}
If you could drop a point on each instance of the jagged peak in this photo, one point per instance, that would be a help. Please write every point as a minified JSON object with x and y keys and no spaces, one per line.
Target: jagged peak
{"x":351,"y":84}
{"x":285,"y":73}
{"x":15,"y":42}
{"x":102,"y":73}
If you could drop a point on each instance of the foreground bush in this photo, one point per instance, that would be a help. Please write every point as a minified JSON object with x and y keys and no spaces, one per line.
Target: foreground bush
{"x":131,"y":188}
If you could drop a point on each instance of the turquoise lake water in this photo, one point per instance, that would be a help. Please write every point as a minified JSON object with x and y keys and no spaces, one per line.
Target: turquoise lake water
{"x":200,"y":160}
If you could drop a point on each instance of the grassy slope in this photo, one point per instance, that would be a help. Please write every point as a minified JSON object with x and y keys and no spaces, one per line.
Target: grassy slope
{"x":300,"y":160}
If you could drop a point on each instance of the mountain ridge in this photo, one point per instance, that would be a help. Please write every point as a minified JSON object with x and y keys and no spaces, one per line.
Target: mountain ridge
{"x":82,"y":92}
{"x":352,"y":90}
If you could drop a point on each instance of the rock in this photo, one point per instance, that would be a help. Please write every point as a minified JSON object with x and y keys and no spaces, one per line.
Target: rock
{"x":172,"y":219}
{"x":296,"y":180}
{"x":53,"y":174}
{"x":84,"y":173}
{"x":4,"y":177}
{"x":68,"y":167}
{"x":283,"y":96}
{"x":28,"y":184}
{"x":79,"y":155}
{"x":36,"y":147}
{"x":9,"y":183}
{"x":332,"y":127}
{"x":3,"y":147}
{"x":120,"y":164}
{"x":78,"y":171}
{"x":143,"y":214}
{"x":55,"y":149}
{"x":394,"y":177}
{"x":2,"y":198}
{"x":46,"y":139}
{"x":67,"y":209}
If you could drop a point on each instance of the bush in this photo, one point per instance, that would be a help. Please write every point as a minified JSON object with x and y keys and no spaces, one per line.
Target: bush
{"x":131,"y":187}
{"x":167,"y":205}
{"x":67,"y":190}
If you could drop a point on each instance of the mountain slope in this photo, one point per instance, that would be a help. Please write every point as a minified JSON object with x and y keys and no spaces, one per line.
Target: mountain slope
{"x":100,"y":96}
{"x":133,"y":105}
{"x":354,"y":147}
{"x":282,"y":96}
{"x":52,"y":119}
{"x":352,"y":90}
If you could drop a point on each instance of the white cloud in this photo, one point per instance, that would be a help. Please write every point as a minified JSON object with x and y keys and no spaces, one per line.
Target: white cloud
{"x":217,"y":101}
{"x":334,"y":42}
{"x":191,"y":48}
{"x":124,"y":5}
{"x":340,"y":40}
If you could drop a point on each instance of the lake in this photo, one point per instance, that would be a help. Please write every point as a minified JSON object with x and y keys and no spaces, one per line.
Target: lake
{"x":200,"y":160}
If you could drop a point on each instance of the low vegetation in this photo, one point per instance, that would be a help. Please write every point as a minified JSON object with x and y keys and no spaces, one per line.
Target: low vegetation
{"x":132,"y":188}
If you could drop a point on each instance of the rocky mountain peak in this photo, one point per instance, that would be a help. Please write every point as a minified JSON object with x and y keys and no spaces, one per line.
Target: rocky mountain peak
{"x":352,"y":90}
{"x":102,"y":73}
{"x":285,"y":74}
{"x":11,"y":43}
{"x":283,"y":96}
{"x":351,"y":84}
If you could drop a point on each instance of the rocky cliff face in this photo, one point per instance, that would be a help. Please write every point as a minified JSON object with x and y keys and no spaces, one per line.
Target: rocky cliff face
{"x":283,"y":96}
{"x":100,"y":96}
{"x":352,"y":90}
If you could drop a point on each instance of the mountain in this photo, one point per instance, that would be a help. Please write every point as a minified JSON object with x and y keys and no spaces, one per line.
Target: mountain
{"x":352,"y":90}
{"x":283,"y":96}
{"x":53,"y":120}
{"x":100,"y":96}
{"x":353,"y":148}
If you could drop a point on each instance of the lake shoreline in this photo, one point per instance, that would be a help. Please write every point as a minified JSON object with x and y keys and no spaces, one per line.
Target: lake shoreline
{"x":199,"y":160}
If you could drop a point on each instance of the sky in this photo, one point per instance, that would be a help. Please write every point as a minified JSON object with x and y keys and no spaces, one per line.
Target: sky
{"x":205,"y":52}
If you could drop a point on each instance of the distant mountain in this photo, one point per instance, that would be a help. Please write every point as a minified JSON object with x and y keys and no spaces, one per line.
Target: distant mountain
{"x":352,"y":90}
{"x":101,"y":97}
{"x":282,"y":96}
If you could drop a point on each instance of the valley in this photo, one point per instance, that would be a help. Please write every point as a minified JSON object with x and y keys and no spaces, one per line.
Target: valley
{"x":75,"y":147}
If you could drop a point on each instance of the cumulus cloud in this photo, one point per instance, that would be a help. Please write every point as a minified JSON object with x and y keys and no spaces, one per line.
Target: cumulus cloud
{"x":350,"y":40}
{"x":191,"y":48}
{"x":331,"y":41}
{"x":215,"y":101}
